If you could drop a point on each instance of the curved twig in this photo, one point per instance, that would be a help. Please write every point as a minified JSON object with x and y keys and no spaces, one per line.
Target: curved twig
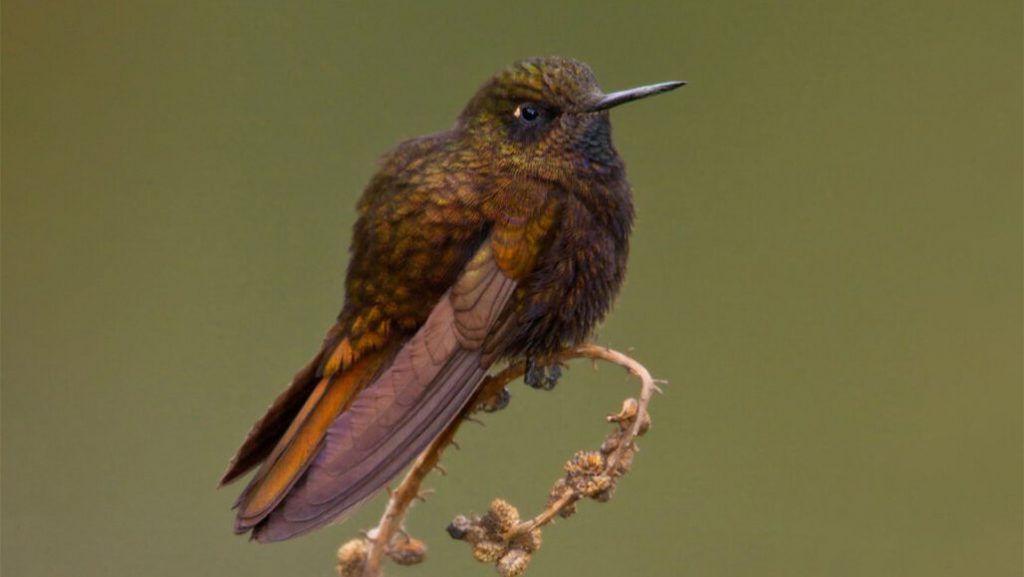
{"x":391,"y":522}
{"x":626,"y":446}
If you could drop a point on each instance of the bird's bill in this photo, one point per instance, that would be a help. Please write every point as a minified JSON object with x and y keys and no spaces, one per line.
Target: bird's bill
{"x":623,"y":96}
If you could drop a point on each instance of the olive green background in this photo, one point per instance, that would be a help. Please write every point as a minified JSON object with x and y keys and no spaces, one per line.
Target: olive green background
{"x":826,"y":267}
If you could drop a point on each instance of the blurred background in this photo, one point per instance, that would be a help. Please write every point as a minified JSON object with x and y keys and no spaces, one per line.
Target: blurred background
{"x":826,"y":267}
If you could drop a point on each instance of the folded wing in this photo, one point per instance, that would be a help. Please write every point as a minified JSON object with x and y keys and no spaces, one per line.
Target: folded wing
{"x":390,"y":421}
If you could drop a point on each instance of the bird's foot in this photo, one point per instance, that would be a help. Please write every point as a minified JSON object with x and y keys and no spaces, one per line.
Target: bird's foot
{"x":544,"y":378}
{"x":499,"y":402}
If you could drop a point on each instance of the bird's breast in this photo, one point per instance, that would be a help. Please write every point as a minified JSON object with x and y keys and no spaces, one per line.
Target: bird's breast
{"x":576,"y":279}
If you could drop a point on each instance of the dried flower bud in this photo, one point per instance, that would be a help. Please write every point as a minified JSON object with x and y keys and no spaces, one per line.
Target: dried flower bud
{"x":513,"y":563}
{"x":488,"y":551}
{"x":407,"y":551}
{"x":585,"y":463}
{"x":568,"y":511}
{"x":458,"y":527}
{"x":352,"y":558}
{"x":466,"y":529}
{"x":591,"y":485}
{"x":501,"y":517}
{"x":557,"y":490}
{"x":628,"y":412}
{"x":605,"y":495}
{"x":611,"y":442}
{"x":625,"y":463}
{"x":529,"y":541}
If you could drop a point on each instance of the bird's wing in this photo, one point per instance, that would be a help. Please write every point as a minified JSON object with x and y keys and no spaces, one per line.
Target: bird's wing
{"x":342,"y":452}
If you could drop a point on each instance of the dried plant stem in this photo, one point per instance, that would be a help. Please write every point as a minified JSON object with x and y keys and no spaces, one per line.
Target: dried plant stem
{"x":380,"y":539}
{"x":544,"y":517}
{"x":648,"y":388}
{"x":401,"y":499}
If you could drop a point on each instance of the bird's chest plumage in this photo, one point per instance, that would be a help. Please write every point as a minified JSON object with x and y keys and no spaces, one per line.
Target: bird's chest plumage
{"x":577,"y":276}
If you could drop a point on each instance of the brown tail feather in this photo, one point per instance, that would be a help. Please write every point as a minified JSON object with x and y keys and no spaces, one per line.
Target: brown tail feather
{"x":264,"y":435}
{"x":345,"y":474}
{"x":301,"y":442}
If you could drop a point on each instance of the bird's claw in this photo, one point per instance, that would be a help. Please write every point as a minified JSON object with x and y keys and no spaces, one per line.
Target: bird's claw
{"x":544,"y":378}
{"x":499,"y":402}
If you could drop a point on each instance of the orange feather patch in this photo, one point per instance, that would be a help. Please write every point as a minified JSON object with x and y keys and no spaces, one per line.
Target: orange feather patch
{"x":301,"y":442}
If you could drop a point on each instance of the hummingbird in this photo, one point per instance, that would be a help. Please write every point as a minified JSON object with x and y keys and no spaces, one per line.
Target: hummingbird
{"x":503,"y":238}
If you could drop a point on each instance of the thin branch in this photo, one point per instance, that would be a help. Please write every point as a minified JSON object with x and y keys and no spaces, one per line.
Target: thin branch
{"x":639,"y":420}
{"x":392,"y":521}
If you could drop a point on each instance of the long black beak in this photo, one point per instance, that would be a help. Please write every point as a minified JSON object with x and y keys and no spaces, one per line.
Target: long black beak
{"x":623,"y":96}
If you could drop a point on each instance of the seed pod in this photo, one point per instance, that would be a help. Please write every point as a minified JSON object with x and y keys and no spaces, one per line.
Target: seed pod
{"x":585,"y":463}
{"x":501,"y":517}
{"x":557,"y":490}
{"x":513,"y":563}
{"x":568,"y":511}
{"x":407,"y":551}
{"x":529,"y":542}
{"x":611,"y":442}
{"x":352,"y":558}
{"x":466,"y":529}
{"x":629,"y":409}
{"x":605,"y":495}
{"x":488,"y":551}
{"x":591,"y":485}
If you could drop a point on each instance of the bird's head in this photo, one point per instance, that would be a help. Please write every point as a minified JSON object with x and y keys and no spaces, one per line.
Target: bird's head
{"x":544,"y":117}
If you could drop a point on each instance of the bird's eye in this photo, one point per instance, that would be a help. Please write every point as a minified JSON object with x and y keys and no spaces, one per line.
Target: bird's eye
{"x":528,"y":113}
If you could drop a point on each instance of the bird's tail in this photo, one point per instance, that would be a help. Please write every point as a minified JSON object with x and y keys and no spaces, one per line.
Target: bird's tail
{"x":295,"y":448}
